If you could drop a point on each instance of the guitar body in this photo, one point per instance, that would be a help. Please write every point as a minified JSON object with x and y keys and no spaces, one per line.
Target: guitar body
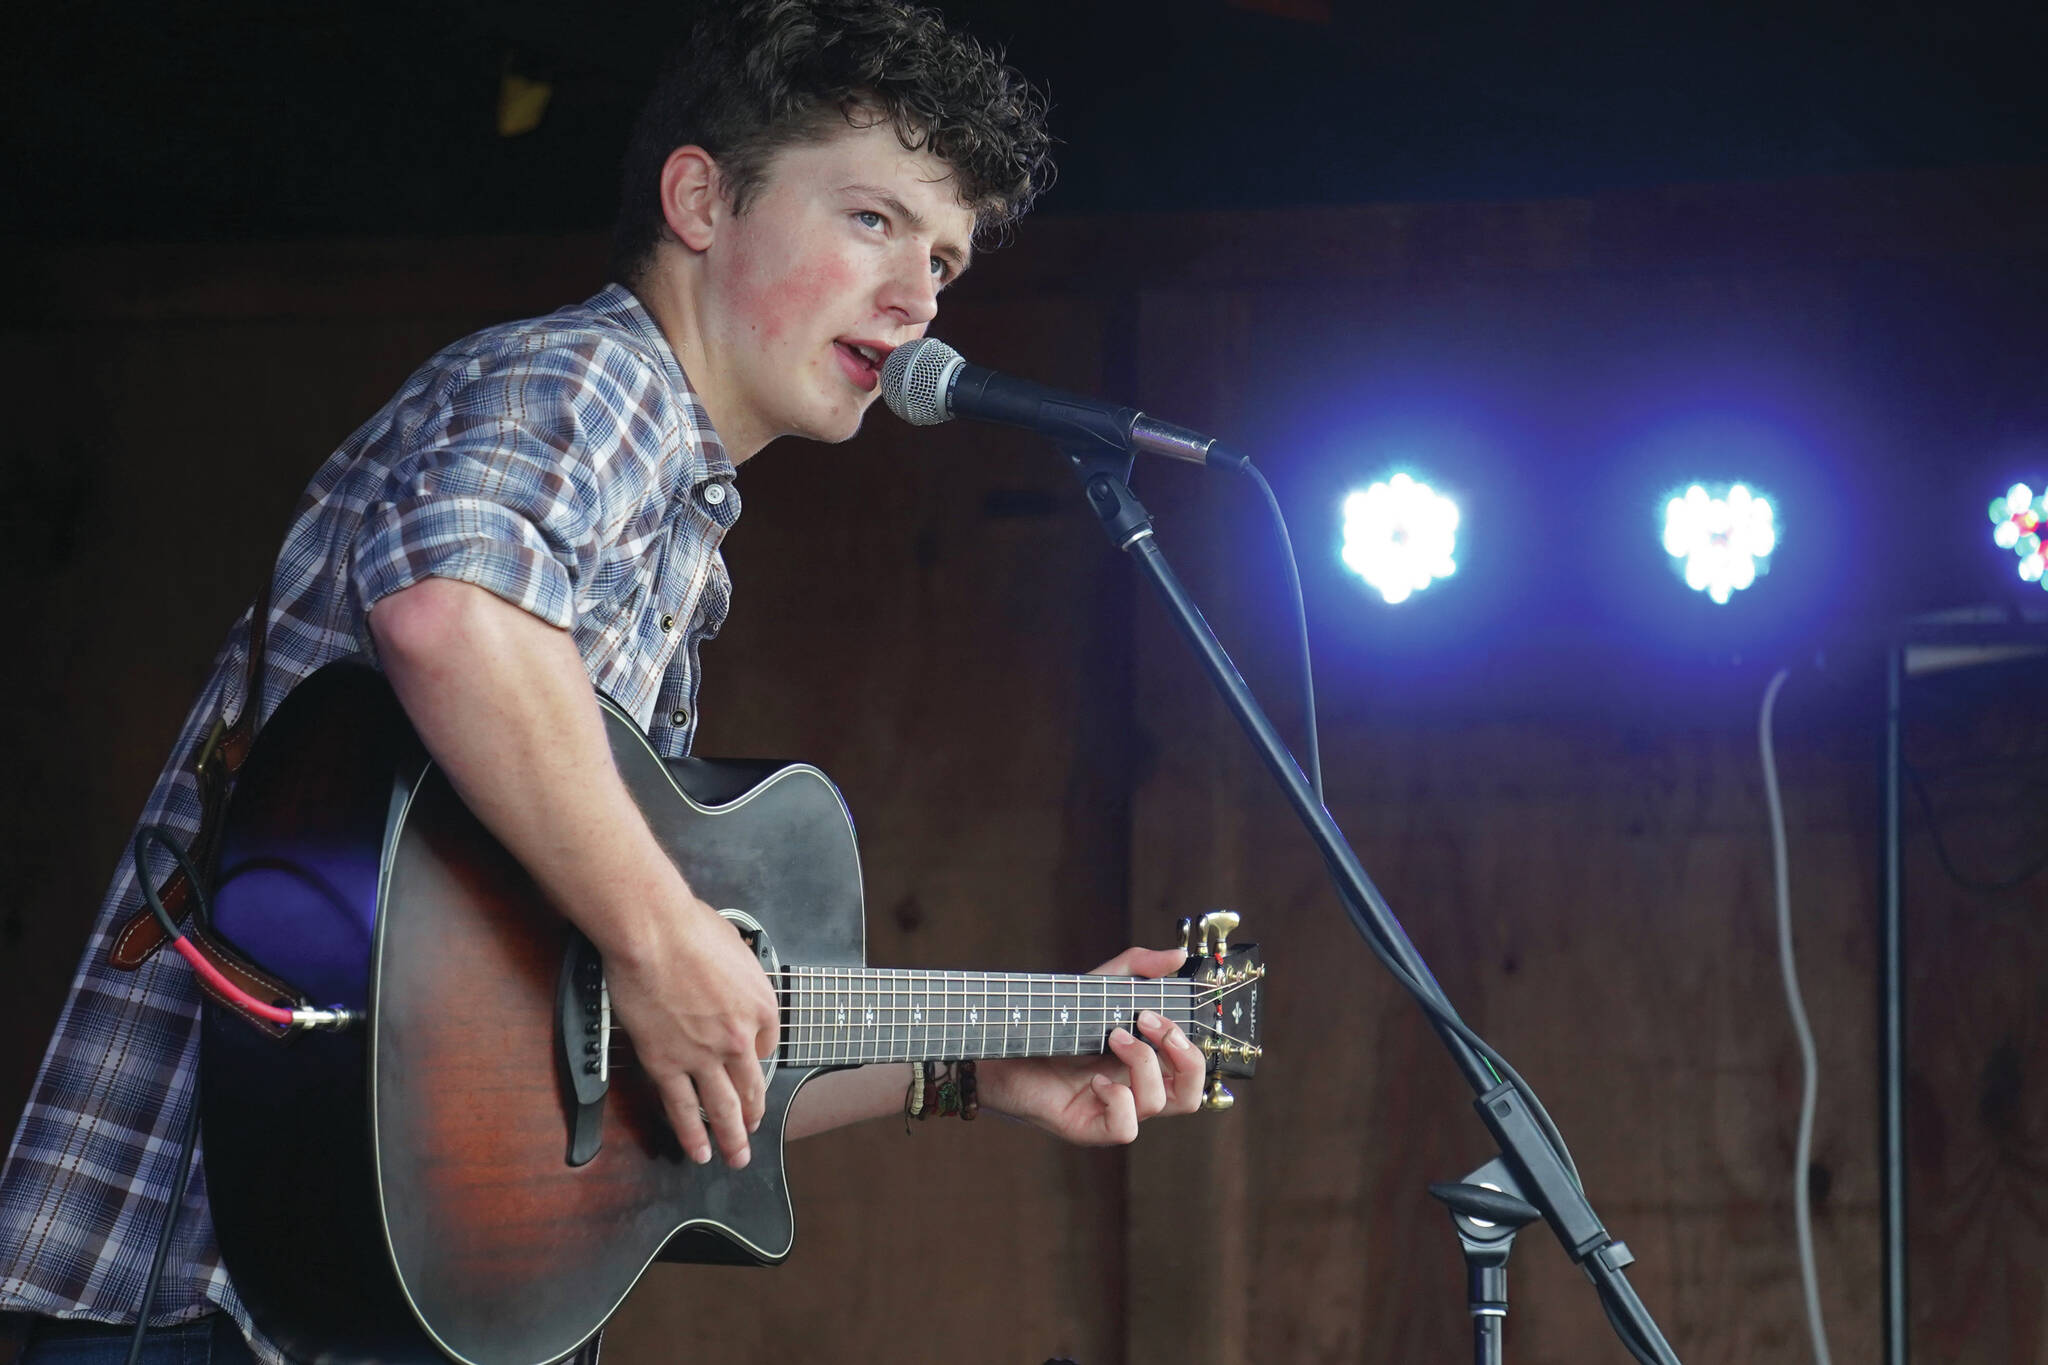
{"x":402,"y":1191}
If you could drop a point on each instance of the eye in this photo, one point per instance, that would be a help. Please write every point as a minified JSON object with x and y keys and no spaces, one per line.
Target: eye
{"x":941,"y":272}
{"x":868,"y":218}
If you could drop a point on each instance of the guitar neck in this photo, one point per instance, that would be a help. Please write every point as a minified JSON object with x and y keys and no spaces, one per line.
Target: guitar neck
{"x":849,"y":1016}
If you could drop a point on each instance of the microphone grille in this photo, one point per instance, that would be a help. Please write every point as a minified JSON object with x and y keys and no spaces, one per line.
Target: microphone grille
{"x":915,"y":379}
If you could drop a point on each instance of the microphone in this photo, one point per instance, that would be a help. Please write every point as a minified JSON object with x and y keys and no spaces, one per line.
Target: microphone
{"x":926,"y":382}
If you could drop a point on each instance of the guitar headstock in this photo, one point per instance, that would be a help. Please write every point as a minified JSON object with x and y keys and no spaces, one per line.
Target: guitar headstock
{"x":1229,"y":979}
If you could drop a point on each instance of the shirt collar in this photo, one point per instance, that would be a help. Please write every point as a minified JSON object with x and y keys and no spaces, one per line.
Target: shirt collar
{"x":621,"y":305}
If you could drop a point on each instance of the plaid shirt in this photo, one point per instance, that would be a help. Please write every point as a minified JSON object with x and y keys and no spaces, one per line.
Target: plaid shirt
{"x":562,"y":463}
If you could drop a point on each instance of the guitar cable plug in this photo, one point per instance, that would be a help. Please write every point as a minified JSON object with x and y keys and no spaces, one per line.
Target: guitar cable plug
{"x":336,"y":1018}
{"x":292,"y":1017}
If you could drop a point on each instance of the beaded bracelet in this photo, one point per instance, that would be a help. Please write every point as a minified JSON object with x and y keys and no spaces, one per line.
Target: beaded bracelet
{"x":932,"y":1095}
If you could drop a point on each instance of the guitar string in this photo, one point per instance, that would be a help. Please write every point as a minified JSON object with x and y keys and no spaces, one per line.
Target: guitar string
{"x":817,"y":989}
{"x":622,"y":1056}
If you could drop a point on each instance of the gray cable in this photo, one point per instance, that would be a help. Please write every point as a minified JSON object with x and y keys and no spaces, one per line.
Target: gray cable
{"x":1313,"y":748}
{"x":1802,"y":1159}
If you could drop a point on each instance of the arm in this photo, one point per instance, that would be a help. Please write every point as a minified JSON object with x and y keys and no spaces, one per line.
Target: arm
{"x":1094,"y":1101}
{"x":501,"y":700}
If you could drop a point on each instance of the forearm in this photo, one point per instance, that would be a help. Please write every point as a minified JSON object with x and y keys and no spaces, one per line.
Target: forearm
{"x":869,"y":1092}
{"x":501,"y":700}
{"x":842,"y":1097}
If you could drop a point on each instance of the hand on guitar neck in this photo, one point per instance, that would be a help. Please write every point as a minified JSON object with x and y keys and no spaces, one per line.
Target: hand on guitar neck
{"x":1097,"y":1101}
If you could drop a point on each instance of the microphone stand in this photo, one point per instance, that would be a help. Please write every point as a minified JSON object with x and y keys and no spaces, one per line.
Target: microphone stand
{"x":1538,"y":1170}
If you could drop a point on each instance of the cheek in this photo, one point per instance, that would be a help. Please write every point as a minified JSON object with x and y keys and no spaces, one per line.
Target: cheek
{"x":786,"y":301}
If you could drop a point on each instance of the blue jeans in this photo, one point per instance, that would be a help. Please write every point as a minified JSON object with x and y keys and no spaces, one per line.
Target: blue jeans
{"x":211,"y":1340}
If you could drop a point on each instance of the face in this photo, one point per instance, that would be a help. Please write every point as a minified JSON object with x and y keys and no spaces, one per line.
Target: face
{"x":838,"y":259}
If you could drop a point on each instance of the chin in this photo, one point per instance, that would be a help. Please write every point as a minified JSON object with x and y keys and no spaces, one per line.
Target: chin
{"x":836,"y":427}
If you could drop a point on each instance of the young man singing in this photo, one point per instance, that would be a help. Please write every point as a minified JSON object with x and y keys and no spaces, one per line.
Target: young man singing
{"x":537,"y":511}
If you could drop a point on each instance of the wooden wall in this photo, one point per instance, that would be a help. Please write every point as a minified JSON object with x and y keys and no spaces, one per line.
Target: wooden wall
{"x":1575,"y":843}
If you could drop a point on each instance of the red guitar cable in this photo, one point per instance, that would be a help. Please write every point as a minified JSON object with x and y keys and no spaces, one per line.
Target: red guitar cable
{"x":297,"y":1017}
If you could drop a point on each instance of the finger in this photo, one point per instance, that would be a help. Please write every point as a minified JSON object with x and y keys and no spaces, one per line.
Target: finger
{"x":1119,"y":1109}
{"x":1148,"y":962}
{"x":767,"y":1041}
{"x":752,"y":1088}
{"x":1148,"y":1087}
{"x":721,"y":1103}
{"x":749,"y":1079}
{"x":1186,"y":1070}
{"x":1181,"y":1065}
{"x":679,"y":1098}
{"x":767,"y":1021}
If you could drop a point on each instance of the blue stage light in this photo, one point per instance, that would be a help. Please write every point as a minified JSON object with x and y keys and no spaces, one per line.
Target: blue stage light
{"x":1722,"y":540}
{"x":1400,"y":536}
{"x":2016,"y":525}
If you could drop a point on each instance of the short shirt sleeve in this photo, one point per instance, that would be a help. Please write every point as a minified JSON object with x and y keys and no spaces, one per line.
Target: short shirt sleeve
{"x":517,"y":474}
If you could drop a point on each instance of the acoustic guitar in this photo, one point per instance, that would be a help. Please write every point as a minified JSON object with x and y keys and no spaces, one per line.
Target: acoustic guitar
{"x":474,"y":1171}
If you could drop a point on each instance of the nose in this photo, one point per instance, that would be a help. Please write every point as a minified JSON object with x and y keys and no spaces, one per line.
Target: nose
{"x":910,"y":292}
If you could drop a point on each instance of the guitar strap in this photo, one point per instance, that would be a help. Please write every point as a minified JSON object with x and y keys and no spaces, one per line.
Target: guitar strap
{"x":219,"y":759}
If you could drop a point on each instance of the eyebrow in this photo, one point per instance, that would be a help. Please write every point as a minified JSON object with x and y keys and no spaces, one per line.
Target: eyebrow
{"x":957,"y":257}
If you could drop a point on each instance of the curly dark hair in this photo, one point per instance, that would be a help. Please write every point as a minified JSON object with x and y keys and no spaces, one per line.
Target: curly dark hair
{"x":754,"y":78}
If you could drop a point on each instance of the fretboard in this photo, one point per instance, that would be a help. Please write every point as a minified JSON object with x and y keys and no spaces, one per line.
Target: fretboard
{"x":847,"y":1016}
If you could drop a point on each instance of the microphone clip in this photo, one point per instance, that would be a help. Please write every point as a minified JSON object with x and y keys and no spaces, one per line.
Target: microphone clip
{"x":1105,"y":476}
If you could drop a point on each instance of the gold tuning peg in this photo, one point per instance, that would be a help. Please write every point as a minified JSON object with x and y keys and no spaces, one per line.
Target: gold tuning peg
{"x":1217,"y":926}
{"x":1217,"y":1097}
{"x":1187,"y":935}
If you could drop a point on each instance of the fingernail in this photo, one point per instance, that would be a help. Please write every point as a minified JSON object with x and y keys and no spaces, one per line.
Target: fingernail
{"x":754,"y":1127}
{"x":1148,"y":1019}
{"x":1101,"y":1082}
{"x":742,"y":1157}
{"x":701,"y":1155}
{"x":1122,"y":1035}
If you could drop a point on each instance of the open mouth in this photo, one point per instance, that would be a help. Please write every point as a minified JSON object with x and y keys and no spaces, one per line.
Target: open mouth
{"x":861,"y":361}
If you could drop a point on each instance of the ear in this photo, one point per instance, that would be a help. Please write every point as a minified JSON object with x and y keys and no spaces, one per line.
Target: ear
{"x":691,"y":201}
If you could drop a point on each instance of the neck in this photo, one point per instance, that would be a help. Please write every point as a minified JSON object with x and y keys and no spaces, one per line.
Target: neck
{"x":669,"y":290}
{"x":845,"y":1016}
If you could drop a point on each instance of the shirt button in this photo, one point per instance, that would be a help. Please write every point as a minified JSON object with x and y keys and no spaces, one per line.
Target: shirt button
{"x":668,"y":622}
{"x":679,"y":717}
{"x":714,"y":493}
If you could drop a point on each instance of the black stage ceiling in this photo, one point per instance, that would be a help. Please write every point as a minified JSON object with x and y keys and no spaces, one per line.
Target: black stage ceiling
{"x":373,"y":117}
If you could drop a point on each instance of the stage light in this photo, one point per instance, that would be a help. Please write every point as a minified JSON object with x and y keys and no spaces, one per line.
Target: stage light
{"x":1723,"y":541}
{"x":1400,"y":536}
{"x":2017,"y":524}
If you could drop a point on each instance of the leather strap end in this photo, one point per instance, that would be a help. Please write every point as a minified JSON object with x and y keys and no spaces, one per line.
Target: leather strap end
{"x":141,"y":936}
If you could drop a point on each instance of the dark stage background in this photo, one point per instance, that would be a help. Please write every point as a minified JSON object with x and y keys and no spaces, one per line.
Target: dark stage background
{"x":1563,"y":261}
